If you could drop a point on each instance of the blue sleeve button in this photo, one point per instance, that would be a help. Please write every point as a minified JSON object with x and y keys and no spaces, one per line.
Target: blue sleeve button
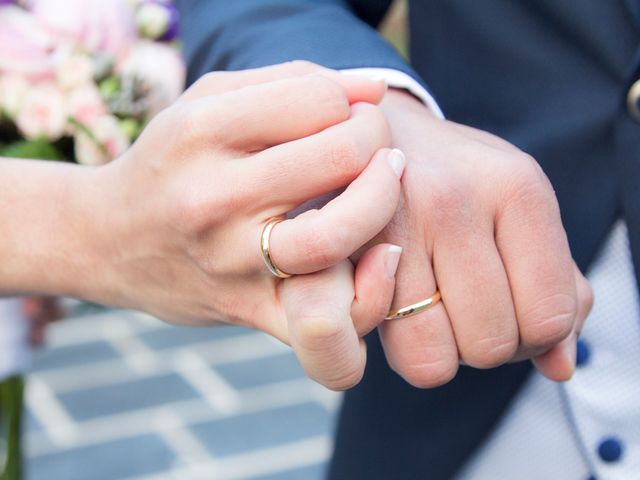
{"x":610,"y":449}
{"x":583,"y":352}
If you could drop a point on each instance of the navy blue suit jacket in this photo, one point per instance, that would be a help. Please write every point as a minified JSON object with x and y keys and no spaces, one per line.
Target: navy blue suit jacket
{"x":550,"y":76}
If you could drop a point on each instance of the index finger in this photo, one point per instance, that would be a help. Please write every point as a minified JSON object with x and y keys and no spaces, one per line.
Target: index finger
{"x":357,"y":89}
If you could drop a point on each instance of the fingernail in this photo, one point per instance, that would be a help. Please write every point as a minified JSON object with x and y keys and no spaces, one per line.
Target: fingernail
{"x":397,"y":160}
{"x":392,"y":260}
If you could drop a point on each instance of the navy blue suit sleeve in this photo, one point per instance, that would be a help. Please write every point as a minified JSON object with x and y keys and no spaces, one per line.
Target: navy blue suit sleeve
{"x":240,"y":34}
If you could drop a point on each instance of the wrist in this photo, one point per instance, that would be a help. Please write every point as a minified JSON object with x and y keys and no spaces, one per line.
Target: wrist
{"x":102,"y":236}
{"x":87,"y":240}
{"x":44,"y":234}
{"x":401,"y":100}
{"x":411,"y":121}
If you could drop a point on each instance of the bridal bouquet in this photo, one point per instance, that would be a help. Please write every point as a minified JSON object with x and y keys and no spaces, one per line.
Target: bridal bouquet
{"x":79,"y":79}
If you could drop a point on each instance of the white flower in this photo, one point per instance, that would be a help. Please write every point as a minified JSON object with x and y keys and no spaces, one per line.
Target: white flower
{"x":73,"y":70}
{"x":109,"y":141}
{"x":42,"y":113}
{"x":13,"y":89}
{"x":153,"y":20}
{"x":85,"y":104}
{"x":161,"y":67}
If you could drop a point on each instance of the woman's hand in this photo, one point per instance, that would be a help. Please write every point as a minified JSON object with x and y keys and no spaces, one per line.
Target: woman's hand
{"x":173,"y":227}
{"x":329,"y":313}
{"x":186,"y":205}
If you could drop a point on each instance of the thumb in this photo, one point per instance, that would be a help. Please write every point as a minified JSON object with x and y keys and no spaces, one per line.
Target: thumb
{"x":374,"y":286}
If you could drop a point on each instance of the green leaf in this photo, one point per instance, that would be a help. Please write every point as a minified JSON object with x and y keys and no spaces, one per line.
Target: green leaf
{"x":109,"y":87}
{"x":35,"y":149}
{"x":11,"y":399}
{"x":131,"y":128}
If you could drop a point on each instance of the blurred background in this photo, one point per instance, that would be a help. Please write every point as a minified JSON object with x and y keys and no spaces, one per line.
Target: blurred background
{"x":119,"y":395}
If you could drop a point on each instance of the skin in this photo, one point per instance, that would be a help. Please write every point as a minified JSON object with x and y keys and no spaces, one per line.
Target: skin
{"x":478,"y":220}
{"x":172,"y":227}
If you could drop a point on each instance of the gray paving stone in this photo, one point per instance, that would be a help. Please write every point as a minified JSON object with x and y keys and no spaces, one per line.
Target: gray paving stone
{"x":123,"y":397}
{"x":146,"y":453}
{"x":107,"y":461}
{"x":252,"y":373}
{"x":181,"y":336}
{"x":47,"y":359}
{"x":264,"y":429}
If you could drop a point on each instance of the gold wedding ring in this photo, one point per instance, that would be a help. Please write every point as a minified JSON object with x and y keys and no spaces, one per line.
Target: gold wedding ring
{"x":264,"y":248}
{"x":415,"y":308}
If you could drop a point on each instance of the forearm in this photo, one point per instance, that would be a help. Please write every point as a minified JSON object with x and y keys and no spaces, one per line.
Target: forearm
{"x":222,"y":35}
{"x":47,"y":223}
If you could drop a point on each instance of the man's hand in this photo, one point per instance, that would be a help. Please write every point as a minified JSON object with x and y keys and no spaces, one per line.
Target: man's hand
{"x":480,"y":222}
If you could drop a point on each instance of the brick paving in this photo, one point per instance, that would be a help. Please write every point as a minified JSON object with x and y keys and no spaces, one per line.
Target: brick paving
{"x":119,"y":395}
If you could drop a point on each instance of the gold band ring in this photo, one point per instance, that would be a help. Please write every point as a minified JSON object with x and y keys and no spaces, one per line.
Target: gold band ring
{"x":415,"y":308}
{"x":264,"y":248}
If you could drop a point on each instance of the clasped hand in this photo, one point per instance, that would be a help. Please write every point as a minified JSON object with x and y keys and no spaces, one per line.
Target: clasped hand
{"x":476,"y":218}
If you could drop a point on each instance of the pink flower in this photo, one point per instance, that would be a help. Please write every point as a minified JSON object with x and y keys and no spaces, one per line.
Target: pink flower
{"x":87,"y":151}
{"x":13,"y":89}
{"x":25,"y":46}
{"x":43,"y":113}
{"x":85,"y":104}
{"x":109,"y":141}
{"x":161,"y":67}
{"x":99,"y":26}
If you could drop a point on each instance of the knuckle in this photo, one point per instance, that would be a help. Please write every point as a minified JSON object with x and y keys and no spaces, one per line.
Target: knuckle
{"x":527,"y":182}
{"x":345,"y":158}
{"x":451,"y":193}
{"x":587,"y":297}
{"x":318,"y":331}
{"x":302,"y":67}
{"x":321,"y":247}
{"x":380,"y":309}
{"x":210,"y":84}
{"x":346,"y":380}
{"x":193,"y":123}
{"x":549,"y":321}
{"x":198,"y":209}
{"x":585,"y":294}
{"x":191,"y":209}
{"x":491,"y":352}
{"x":209,"y":78}
{"x":328,"y":95}
{"x":431,"y":372}
{"x":430,"y":375}
{"x":450,"y":201}
{"x":374,"y":121}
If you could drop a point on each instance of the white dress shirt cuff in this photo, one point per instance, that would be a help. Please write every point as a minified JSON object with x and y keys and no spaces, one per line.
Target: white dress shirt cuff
{"x":398,"y":79}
